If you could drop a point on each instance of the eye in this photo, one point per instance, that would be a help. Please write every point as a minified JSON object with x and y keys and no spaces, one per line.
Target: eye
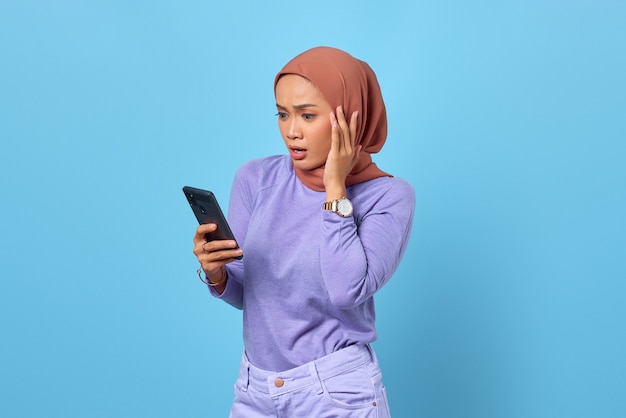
{"x":281,"y":115}
{"x":308,"y":116}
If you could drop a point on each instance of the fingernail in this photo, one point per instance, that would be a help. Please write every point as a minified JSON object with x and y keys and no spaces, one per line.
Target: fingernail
{"x":340,"y":109}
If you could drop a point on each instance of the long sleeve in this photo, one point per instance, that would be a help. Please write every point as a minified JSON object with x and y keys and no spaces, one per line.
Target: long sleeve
{"x":239,"y":210}
{"x":359,"y":254}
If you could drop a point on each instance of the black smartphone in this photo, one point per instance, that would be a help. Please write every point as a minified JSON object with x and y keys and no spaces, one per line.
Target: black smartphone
{"x":204,"y":205}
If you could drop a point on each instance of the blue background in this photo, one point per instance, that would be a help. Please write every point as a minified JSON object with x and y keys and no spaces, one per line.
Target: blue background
{"x":509,"y":118}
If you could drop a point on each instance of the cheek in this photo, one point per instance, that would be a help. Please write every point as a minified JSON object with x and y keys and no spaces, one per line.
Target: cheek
{"x":327,"y":133}
{"x":283,"y":132}
{"x":323,"y":129}
{"x":323,"y":139}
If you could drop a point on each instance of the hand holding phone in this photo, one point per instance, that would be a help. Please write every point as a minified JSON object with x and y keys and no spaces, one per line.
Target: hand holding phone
{"x":207,"y":210}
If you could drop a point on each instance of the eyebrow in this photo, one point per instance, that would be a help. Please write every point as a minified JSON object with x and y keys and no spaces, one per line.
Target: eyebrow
{"x":298,"y":107}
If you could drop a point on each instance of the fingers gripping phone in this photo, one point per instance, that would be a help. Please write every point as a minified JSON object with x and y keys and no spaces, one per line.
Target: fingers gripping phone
{"x":204,"y":205}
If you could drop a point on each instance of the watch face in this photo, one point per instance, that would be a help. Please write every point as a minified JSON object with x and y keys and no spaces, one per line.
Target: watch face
{"x":344,"y":207}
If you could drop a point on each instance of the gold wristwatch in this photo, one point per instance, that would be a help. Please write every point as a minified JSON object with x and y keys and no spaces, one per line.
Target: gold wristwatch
{"x":342,"y":207}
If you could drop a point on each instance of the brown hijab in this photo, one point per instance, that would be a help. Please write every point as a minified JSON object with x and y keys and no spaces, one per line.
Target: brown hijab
{"x":349,"y":82}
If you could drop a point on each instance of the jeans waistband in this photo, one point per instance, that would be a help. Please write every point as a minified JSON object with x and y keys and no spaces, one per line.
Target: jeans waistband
{"x":312,"y":373}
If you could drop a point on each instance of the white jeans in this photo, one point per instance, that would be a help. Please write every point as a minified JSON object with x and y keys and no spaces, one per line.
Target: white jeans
{"x":346,"y":383}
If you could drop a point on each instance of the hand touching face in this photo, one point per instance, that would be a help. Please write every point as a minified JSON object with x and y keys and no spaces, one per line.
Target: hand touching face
{"x":344,"y":152}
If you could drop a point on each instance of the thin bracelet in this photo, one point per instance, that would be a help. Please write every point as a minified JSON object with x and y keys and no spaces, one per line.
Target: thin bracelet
{"x":210,"y":283}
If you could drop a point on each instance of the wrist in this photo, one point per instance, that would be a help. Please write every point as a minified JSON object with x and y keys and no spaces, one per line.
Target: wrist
{"x":335,"y":192}
{"x":219,"y":285}
{"x":217,"y":277}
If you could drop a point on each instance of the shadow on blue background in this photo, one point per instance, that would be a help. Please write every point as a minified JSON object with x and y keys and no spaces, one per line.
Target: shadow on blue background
{"x":508,"y":119}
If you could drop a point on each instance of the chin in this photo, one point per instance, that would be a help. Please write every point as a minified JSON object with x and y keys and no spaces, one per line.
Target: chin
{"x":306,"y":165}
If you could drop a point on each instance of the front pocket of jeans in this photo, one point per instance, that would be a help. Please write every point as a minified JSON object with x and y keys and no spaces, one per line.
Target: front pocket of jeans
{"x":351,"y":389}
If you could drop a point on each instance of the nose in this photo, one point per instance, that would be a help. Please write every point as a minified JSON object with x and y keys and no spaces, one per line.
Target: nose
{"x":294,"y":131}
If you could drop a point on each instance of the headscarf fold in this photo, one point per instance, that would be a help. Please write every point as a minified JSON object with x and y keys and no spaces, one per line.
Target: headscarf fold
{"x":349,"y":82}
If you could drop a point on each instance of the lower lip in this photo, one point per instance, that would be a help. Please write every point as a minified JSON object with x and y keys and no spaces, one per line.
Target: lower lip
{"x":297,"y":155}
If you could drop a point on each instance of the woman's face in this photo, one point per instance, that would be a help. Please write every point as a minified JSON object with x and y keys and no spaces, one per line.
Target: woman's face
{"x":303,"y":120}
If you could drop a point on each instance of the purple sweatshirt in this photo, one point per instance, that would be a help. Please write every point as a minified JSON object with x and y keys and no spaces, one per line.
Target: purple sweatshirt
{"x":308,"y":276}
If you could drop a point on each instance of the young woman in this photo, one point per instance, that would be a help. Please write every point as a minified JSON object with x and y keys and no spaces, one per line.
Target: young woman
{"x":321,"y":230}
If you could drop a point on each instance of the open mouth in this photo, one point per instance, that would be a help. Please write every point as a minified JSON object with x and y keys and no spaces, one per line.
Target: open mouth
{"x":297,"y":153}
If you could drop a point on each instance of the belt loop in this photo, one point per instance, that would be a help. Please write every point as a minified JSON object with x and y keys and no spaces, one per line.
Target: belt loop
{"x":372,"y":354}
{"x":246,"y":378}
{"x":316,"y":378}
